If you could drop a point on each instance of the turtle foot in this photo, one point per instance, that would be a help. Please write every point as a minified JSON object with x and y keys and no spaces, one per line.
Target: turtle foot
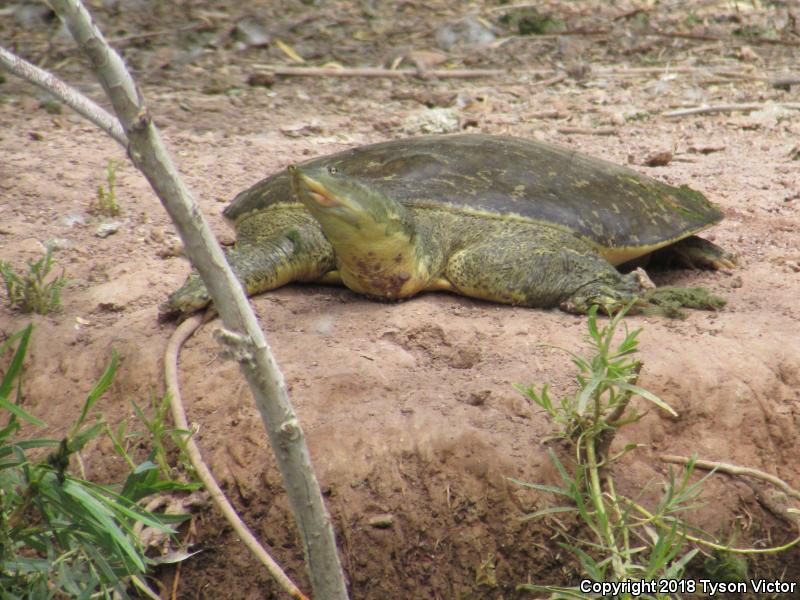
{"x":668,"y":301}
{"x":190,"y":298}
{"x":697,"y":253}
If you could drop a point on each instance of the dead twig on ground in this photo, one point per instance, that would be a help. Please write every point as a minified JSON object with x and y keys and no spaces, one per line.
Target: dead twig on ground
{"x":734,"y":470}
{"x":708,"y":37}
{"x":379,"y":72}
{"x":549,"y":81}
{"x":718,"y":108}
{"x":549,"y":114}
{"x":124,"y":39}
{"x":785,"y":81}
{"x":587,"y":130}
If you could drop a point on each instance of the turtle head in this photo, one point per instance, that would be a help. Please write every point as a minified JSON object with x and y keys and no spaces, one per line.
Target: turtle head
{"x":372,"y":234}
{"x":338,"y":201}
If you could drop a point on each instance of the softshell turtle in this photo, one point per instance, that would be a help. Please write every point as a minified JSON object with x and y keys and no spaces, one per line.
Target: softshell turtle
{"x":498,"y":218}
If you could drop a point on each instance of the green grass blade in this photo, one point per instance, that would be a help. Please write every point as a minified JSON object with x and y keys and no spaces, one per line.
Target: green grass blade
{"x":104,"y":518}
{"x":99,"y":389}
{"x":18,"y":412}
{"x":549,"y":511}
{"x":13,"y":372}
{"x":635,"y":389}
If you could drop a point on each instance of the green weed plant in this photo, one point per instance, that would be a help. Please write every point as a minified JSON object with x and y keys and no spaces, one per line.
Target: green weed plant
{"x":61,"y":535}
{"x":32,"y":292}
{"x":627,"y":542}
{"x":107,"y":196}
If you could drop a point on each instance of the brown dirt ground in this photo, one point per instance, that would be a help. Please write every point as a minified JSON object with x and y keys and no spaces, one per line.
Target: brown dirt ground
{"x":409,"y":408}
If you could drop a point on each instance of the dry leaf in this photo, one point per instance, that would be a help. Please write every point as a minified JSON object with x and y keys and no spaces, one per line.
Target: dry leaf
{"x":289,"y":51}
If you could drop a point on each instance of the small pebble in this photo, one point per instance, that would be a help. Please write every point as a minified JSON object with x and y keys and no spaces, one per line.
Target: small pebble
{"x":381,"y":521}
{"x":57,"y":243}
{"x":107,"y":229}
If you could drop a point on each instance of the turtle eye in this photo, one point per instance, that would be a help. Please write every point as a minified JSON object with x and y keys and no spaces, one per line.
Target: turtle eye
{"x":332,"y":170}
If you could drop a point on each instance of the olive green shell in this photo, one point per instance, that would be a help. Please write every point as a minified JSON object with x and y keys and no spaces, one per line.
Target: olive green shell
{"x":512,"y":178}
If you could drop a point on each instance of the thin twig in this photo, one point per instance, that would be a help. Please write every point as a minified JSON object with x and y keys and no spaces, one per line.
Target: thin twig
{"x":124,"y":39}
{"x":734,"y":470}
{"x":785,"y":81}
{"x":724,"y":38}
{"x":380,"y":72}
{"x":587,"y":130}
{"x":717,"y":108}
{"x":68,"y":95}
{"x":550,"y":81}
{"x":745,"y":551}
{"x":182,"y":333}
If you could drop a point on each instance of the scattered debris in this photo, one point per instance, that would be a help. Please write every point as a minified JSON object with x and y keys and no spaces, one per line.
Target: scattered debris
{"x":296,"y":130}
{"x":477,"y":397}
{"x":660,"y":158}
{"x":718,"y":108}
{"x":337,"y":71}
{"x":381,"y":521}
{"x":57,"y":243}
{"x":73,"y":220}
{"x":526,"y":20}
{"x":290,"y":52}
{"x":587,"y":130}
{"x":468,"y":32}
{"x":785,"y":82}
{"x":261,"y":80}
{"x":433,"y":120}
{"x":251,"y":33}
{"x":422,"y":59}
{"x":32,"y":15}
{"x":428,"y":97}
{"x":705,"y":149}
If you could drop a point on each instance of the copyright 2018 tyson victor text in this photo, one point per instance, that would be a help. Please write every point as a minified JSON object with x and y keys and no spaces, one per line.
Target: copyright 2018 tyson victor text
{"x":687,"y":586}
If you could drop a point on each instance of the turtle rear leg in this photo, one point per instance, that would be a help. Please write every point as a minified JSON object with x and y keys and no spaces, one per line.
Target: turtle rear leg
{"x":554,"y":269}
{"x":548,"y":269}
{"x":695,"y":252}
{"x":273,"y":248}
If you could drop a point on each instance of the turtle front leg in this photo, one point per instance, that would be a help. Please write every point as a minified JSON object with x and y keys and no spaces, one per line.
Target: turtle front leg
{"x":271,"y":251}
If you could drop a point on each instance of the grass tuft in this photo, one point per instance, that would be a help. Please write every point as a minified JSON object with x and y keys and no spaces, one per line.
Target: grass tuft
{"x":31,"y":291}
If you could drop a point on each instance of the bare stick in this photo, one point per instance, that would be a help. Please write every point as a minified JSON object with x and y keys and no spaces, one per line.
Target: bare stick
{"x":587,"y":130}
{"x":724,"y":38}
{"x":734,"y":470}
{"x":379,"y":72}
{"x":785,"y":81}
{"x":255,"y":358}
{"x":718,"y":108}
{"x":181,"y":334}
{"x":549,"y":81}
{"x":149,"y":34}
{"x":68,"y":95}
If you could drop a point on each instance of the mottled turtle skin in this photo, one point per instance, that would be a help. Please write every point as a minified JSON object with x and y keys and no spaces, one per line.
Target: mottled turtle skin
{"x":498,"y":218}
